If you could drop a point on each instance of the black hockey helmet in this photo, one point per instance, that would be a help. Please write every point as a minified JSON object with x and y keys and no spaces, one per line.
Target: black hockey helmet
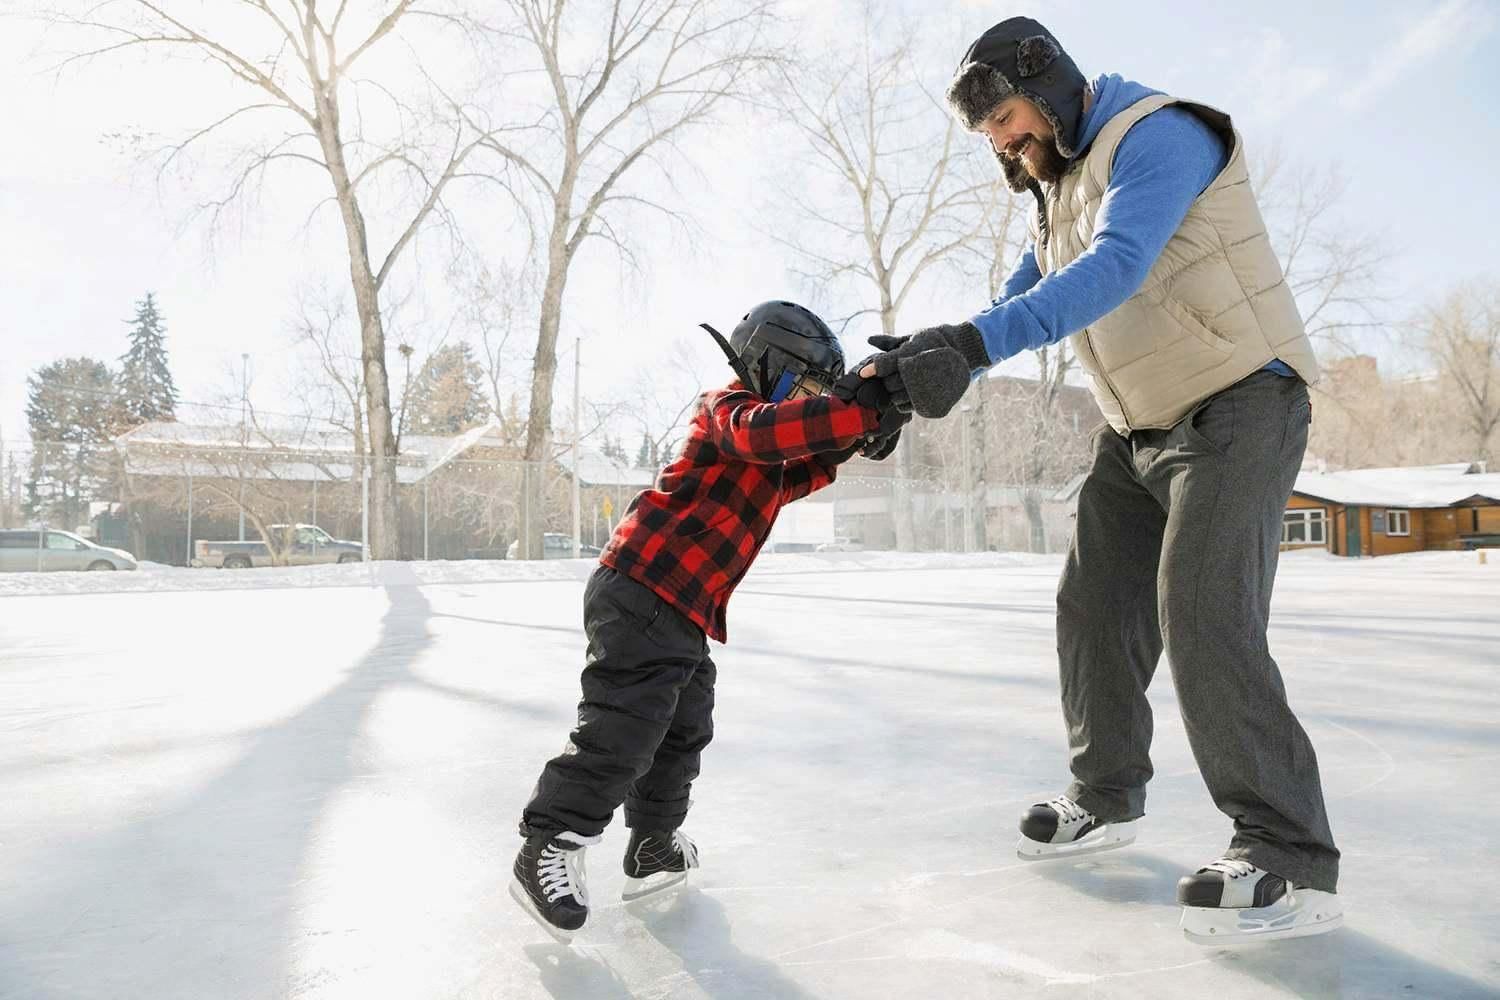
{"x":781,"y":350}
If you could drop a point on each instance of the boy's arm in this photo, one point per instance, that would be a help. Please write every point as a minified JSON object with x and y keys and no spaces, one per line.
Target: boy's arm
{"x":744,"y":428}
{"x":809,"y":475}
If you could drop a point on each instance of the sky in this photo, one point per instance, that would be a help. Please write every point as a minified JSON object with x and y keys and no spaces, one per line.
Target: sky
{"x":1396,"y":96}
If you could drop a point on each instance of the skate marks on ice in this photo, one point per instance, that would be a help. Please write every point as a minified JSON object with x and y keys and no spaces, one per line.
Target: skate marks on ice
{"x":1344,"y":963}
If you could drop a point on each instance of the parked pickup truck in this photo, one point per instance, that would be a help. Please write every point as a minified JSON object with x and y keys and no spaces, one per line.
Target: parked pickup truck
{"x":304,"y":544}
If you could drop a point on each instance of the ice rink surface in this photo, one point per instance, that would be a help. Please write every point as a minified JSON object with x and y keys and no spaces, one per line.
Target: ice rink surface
{"x":305,"y":783}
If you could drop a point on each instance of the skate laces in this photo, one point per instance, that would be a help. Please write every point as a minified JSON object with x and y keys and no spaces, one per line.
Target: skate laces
{"x":684,"y":845}
{"x":1231,"y":867}
{"x":560,"y":871}
{"x":1068,"y":810}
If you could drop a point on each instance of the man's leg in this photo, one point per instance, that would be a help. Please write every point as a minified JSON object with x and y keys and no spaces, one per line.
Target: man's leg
{"x":1108,"y":640}
{"x":1226,"y":471}
{"x":631,"y":687}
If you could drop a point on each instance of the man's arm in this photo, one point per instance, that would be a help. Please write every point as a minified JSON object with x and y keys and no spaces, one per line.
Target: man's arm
{"x":1161,"y":166}
{"x":742,"y":427}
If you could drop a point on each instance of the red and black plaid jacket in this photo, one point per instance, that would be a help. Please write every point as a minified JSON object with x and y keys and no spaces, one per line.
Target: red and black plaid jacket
{"x":692,"y":537}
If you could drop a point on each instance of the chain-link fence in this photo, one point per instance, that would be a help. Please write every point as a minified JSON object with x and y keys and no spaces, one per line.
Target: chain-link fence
{"x":218,"y":503}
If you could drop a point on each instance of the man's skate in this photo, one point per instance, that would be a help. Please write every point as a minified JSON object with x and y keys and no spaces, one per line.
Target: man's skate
{"x":548,"y":882}
{"x":1233,"y":902}
{"x":1061,"y":828}
{"x":655,"y":861}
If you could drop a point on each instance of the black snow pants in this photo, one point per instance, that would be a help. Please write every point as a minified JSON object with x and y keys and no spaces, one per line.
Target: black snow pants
{"x":645,"y":717}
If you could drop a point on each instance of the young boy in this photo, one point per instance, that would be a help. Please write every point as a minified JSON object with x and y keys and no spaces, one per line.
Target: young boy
{"x":772,"y":436}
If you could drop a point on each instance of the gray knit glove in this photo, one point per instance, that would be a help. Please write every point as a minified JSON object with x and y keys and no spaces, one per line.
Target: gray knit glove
{"x":929,"y":371}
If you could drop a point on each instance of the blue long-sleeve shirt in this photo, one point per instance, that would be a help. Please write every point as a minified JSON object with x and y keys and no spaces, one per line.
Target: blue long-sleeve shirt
{"x":1163,"y":164}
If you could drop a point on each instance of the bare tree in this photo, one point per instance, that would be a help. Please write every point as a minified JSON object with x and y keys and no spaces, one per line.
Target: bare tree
{"x":624,"y":82}
{"x":296,"y":60}
{"x":1462,"y":334}
{"x":905,"y":196}
{"x":1332,"y":267}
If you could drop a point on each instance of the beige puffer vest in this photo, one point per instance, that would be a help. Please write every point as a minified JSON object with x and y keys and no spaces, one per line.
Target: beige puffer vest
{"x":1215,"y":306}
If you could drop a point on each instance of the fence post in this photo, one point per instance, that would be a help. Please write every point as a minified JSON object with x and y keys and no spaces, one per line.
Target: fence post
{"x":424,"y":518}
{"x":364,"y":514}
{"x":189,"y":560}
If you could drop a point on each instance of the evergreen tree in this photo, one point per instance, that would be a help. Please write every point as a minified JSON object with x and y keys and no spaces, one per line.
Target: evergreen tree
{"x":643,"y":454}
{"x":73,"y":413}
{"x":145,"y":382}
{"x":448,"y":395}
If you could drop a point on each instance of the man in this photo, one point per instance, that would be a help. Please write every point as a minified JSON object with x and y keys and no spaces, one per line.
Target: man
{"x":1147,"y":243}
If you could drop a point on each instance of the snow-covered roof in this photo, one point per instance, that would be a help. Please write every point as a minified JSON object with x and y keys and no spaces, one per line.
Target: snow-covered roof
{"x":1417,"y":486}
{"x":163,"y":448}
{"x":166,"y":448}
{"x":597,"y":469}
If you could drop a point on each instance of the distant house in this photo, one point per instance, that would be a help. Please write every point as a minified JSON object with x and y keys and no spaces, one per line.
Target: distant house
{"x":1379,"y":512}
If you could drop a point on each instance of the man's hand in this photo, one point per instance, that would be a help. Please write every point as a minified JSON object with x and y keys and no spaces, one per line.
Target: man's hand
{"x":929,"y":371}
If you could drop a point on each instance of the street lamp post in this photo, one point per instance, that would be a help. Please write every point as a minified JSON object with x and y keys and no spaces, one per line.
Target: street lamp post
{"x":244,"y":436}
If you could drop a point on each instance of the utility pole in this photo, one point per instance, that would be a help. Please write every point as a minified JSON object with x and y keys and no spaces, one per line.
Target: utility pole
{"x":963,"y":416}
{"x":244,"y":434}
{"x":577,"y":415}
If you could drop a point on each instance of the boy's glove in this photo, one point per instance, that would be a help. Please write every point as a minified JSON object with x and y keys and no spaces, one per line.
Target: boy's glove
{"x":880,"y":449}
{"x":929,"y":371}
{"x":872,"y":394}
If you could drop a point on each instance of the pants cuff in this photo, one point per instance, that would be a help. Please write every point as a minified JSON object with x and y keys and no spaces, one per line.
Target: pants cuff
{"x":1109,"y":806}
{"x":646,"y":814}
{"x":1290,"y":865}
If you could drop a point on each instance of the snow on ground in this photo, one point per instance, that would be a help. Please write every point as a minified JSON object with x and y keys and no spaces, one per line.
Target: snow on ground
{"x":304,"y":783}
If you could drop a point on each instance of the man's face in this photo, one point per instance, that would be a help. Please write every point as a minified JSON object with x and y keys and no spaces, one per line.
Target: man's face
{"x":1018,"y":132}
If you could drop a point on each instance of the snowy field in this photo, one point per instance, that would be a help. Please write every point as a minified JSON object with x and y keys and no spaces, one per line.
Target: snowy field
{"x":305,"y":783}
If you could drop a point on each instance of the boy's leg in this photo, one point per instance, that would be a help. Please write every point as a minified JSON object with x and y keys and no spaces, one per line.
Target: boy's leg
{"x":1108,"y":640}
{"x":631,"y":685}
{"x":659,"y":798}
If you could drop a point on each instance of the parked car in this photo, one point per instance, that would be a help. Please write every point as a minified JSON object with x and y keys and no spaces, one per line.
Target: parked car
{"x":556,"y":546}
{"x":306,"y":544}
{"x":34,"y":549}
{"x":842,"y":545}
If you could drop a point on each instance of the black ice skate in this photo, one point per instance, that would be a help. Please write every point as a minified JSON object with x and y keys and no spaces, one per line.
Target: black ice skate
{"x":657,"y":860}
{"x":548,"y":882}
{"x":1234,"y":902}
{"x":1061,"y":828}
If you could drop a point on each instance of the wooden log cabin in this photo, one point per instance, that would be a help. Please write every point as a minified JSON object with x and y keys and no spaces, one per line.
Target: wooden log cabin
{"x":1379,"y":512}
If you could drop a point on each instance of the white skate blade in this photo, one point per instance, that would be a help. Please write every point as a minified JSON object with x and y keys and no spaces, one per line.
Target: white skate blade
{"x":1105,"y":838}
{"x":1300,"y":913}
{"x":651,"y":885}
{"x":519,"y":894}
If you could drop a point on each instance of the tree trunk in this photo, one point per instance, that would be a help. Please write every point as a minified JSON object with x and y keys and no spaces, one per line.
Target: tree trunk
{"x":382,"y":444}
{"x":543,"y":374}
{"x":902,"y":517}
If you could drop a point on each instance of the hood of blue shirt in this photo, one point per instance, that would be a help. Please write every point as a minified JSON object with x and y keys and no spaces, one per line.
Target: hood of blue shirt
{"x":1112,"y":94}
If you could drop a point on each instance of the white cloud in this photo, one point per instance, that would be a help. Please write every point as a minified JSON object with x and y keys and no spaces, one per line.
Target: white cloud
{"x":1452,"y":24}
{"x":1277,"y":80}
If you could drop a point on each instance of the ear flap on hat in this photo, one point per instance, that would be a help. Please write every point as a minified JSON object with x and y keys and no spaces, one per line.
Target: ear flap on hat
{"x":1035,"y":54}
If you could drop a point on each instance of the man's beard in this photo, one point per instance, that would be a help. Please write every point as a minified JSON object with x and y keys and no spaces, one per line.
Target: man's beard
{"x":1049,"y":165}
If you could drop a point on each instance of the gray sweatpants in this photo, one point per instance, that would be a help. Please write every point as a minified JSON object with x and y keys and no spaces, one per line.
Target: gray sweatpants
{"x":1176,"y":544}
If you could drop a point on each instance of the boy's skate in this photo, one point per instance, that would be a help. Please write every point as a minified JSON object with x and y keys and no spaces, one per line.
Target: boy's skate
{"x":657,"y":860}
{"x":1061,"y":828}
{"x":1234,"y":902}
{"x":548,"y":882}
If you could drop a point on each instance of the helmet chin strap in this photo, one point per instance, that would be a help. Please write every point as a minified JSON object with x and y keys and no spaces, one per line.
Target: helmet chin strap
{"x":735,"y":361}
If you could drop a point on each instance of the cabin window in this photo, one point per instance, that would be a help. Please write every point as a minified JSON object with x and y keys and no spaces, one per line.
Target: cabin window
{"x":1304,"y":527}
